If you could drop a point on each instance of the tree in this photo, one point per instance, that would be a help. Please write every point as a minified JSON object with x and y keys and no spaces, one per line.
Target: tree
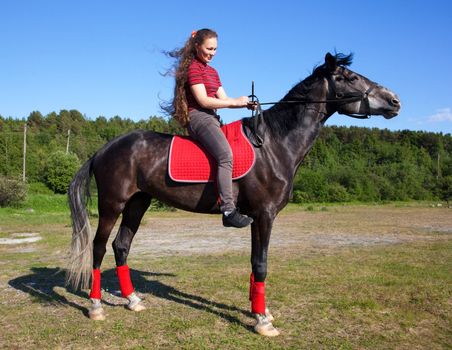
{"x":60,"y":169}
{"x":35,"y":119}
{"x":445,"y":189}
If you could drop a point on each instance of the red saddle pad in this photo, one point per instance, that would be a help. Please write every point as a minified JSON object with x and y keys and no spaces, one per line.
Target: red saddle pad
{"x":190,"y":162}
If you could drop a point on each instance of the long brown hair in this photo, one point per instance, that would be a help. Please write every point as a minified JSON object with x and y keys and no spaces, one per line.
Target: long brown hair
{"x":178,"y":107}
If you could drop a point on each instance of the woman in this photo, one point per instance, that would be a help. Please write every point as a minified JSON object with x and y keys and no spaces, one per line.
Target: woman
{"x":198,"y":93}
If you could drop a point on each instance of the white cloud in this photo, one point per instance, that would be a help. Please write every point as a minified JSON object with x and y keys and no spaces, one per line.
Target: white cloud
{"x":441,"y":115}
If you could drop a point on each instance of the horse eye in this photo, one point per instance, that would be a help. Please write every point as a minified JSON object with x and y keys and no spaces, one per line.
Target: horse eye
{"x":339,"y":78}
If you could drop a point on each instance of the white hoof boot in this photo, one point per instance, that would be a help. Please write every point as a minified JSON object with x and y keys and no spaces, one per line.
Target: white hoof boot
{"x":96,"y":312}
{"x":135,"y":303}
{"x":265,"y":327}
{"x":269,"y":315}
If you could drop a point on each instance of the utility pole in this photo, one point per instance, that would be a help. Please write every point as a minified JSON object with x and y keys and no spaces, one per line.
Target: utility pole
{"x":67,"y":144}
{"x":25,"y":152}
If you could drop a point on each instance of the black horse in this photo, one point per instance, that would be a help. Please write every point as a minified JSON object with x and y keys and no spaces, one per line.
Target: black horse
{"x":133,"y":168}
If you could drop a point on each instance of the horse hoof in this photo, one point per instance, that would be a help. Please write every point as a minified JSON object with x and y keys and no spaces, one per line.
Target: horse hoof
{"x":135,"y":303}
{"x":266,"y":329}
{"x":136,"y":307}
{"x":96,"y":314}
{"x":269,"y":316}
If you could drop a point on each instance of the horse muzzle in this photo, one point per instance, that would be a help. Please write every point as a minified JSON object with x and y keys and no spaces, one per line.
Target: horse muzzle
{"x":393,"y":107}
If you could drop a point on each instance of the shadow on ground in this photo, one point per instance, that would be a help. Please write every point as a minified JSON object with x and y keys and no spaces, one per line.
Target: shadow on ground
{"x":42,"y":284}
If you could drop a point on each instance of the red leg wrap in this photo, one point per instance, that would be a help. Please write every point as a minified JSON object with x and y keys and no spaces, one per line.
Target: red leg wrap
{"x":124,"y":280}
{"x":258,"y":298}
{"x":95,"y":285}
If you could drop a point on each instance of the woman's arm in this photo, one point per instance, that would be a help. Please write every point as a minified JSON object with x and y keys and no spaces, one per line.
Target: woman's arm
{"x":222,"y":100}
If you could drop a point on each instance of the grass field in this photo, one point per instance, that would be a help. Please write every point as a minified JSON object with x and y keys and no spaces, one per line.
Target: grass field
{"x":340,"y":277}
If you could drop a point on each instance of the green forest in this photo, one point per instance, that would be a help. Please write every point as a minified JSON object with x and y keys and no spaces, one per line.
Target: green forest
{"x":346,"y":163}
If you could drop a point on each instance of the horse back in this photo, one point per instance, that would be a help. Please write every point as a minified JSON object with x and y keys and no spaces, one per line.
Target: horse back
{"x":122,"y":165}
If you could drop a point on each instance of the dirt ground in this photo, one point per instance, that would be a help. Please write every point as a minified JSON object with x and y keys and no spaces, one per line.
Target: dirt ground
{"x":374,"y":277}
{"x":183,"y":233}
{"x":325,"y":227}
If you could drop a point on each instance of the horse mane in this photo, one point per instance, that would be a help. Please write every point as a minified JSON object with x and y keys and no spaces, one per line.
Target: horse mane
{"x":341,"y":60}
{"x":282,"y":118}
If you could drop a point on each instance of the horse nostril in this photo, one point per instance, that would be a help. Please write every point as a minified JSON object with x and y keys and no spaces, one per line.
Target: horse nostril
{"x":395,"y":102}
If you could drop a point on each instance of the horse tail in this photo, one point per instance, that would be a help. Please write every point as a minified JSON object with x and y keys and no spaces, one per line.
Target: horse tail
{"x":81,"y":253}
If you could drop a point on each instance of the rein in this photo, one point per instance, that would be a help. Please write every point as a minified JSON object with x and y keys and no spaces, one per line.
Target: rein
{"x":348,"y":98}
{"x":258,"y":141}
{"x":304,"y":100}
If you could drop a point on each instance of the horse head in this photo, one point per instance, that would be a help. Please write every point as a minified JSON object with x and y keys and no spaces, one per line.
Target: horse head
{"x":354,"y":95}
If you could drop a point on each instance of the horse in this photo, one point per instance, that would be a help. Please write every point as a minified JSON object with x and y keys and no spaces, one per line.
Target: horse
{"x":133,"y":168}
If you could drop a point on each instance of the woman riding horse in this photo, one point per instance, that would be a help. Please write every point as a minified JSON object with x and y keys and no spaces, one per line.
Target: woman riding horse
{"x":198,"y":93}
{"x":133,"y":168}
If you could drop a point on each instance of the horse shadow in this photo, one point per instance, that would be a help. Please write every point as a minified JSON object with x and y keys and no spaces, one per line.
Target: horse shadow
{"x":43,"y":284}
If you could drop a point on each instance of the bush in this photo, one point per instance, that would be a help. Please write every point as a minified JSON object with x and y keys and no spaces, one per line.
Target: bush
{"x":39,"y":188}
{"x":445,"y":189}
{"x":11,"y":191}
{"x":337,"y":193}
{"x":300,"y":197}
{"x":60,"y":169}
{"x":156,"y":205}
{"x":314,"y":183}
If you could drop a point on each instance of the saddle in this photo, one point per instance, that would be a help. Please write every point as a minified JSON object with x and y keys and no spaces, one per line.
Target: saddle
{"x":188,"y":161}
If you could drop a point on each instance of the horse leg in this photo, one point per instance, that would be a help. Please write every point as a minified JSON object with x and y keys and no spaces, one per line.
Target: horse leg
{"x":260,"y":231}
{"x":131,"y":218}
{"x":107,"y":219}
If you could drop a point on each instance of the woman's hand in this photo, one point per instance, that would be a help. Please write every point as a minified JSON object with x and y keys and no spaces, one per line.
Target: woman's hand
{"x":244,"y":101}
{"x":252,"y":105}
{"x":241,"y":101}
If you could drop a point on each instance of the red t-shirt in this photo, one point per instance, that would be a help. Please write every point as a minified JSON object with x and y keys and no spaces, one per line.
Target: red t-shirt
{"x":201,"y":73}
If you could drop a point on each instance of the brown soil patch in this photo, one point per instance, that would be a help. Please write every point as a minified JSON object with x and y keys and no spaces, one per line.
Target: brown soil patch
{"x":185,"y":233}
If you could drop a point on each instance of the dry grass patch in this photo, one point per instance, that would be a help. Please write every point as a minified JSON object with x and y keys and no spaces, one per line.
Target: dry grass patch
{"x":352,"y":288}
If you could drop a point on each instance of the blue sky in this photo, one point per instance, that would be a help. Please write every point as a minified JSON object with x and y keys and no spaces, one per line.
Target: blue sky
{"x":104,"y":57}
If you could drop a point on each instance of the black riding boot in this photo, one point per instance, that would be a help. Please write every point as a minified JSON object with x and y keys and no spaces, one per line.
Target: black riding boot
{"x":235,"y":219}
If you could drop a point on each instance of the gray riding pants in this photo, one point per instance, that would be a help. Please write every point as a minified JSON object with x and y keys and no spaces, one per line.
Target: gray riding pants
{"x":204,"y":127}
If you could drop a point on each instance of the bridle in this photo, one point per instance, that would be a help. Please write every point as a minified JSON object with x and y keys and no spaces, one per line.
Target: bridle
{"x":342,"y":98}
{"x":352,"y":96}
{"x":339,"y":97}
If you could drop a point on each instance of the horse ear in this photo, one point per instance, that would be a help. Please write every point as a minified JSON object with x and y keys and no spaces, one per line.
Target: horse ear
{"x":330,"y":62}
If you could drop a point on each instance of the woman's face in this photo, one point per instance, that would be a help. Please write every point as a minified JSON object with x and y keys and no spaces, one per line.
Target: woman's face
{"x":207,"y":49}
